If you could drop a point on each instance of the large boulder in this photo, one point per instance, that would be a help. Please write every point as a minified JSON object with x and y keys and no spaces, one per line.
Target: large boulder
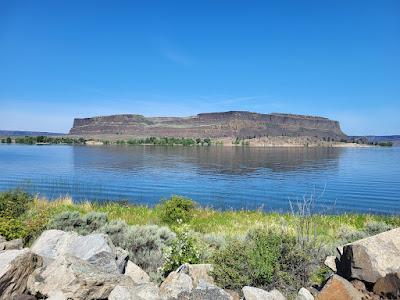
{"x":338,"y":288}
{"x":252,"y":293}
{"x":75,"y":278}
{"x":95,"y":248}
{"x":176,"y":283}
{"x":15,"y":268}
{"x":148,"y":291}
{"x":371,"y":258}
{"x":136,"y":273}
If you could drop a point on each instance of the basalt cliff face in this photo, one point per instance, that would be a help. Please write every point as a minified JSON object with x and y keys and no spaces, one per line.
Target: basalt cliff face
{"x":213,"y":125}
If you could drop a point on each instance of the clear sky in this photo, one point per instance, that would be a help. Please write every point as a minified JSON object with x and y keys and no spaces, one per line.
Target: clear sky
{"x":66,"y":59}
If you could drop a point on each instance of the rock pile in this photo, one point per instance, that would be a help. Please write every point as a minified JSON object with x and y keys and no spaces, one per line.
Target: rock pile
{"x":365,"y":269}
{"x":65,"y":265}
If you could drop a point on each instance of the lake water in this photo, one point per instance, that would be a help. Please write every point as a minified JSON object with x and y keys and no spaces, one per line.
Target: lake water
{"x":352,"y":179}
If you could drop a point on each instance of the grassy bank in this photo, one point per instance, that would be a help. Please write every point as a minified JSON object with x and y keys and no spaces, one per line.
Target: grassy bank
{"x":267,"y":250}
{"x":207,"y":220}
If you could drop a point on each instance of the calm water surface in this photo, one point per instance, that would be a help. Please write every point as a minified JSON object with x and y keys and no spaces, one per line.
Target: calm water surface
{"x":354,"y":180}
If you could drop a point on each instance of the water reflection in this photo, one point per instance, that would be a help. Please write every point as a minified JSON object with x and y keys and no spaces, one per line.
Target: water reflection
{"x":223,"y":160}
{"x":362,"y":180}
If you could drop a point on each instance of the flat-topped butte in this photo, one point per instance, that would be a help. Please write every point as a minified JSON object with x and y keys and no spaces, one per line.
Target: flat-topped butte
{"x":229,"y":124}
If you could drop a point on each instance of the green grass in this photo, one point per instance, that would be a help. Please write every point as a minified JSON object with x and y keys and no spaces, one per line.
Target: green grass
{"x":206,"y":220}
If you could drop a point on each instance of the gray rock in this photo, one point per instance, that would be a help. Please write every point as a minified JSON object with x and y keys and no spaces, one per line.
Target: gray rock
{"x":304,"y":294}
{"x":75,"y":278}
{"x":11,"y":245}
{"x":330,"y":262}
{"x":95,"y":248}
{"x":200,"y":272}
{"x":15,"y":268}
{"x":234,"y":295}
{"x":252,"y":293}
{"x":122,"y":259}
{"x":24,"y":297}
{"x":136,"y":273}
{"x":57,"y":295}
{"x":371,"y":258}
{"x":2,"y":239}
{"x":205,"y":291}
{"x":174,"y":284}
{"x":122,"y":293}
{"x":139,"y":292}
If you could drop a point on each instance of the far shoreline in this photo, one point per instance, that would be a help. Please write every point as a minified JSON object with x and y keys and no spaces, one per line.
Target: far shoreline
{"x":257,"y":142}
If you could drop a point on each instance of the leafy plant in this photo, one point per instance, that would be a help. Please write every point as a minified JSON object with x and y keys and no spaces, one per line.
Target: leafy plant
{"x":175,"y":210}
{"x":184,"y":249}
{"x":12,"y":228}
{"x":231,"y":265}
{"x":73,"y":221}
{"x":266,"y":259}
{"x":14,"y":203}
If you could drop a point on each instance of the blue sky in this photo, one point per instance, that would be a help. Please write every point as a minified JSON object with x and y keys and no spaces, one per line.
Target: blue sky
{"x":66,"y":59}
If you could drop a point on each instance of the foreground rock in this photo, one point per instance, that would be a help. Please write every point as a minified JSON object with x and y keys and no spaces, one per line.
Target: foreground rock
{"x":148,"y":291}
{"x":96,"y":249}
{"x":176,"y":283}
{"x":252,"y":293}
{"x":205,"y":291}
{"x":338,"y":288}
{"x":200,"y":272}
{"x":15,"y":268}
{"x":388,"y":286}
{"x":371,"y":258}
{"x":11,"y":245}
{"x":330,"y":262}
{"x":136,"y":273}
{"x":75,"y":278}
{"x":304,"y":294}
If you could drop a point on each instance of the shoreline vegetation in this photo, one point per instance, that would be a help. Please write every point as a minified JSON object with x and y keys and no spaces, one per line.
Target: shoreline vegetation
{"x":273,"y":141}
{"x":201,"y":235}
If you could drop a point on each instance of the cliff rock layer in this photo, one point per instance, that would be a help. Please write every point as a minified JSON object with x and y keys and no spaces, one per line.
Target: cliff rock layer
{"x":213,"y":125}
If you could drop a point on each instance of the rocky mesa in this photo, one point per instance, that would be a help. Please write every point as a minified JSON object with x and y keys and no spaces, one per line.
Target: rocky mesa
{"x":242,"y":124}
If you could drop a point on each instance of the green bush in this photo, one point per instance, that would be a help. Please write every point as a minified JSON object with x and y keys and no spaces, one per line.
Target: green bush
{"x":231,"y":266}
{"x":177,"y":209}
{"x":14,"y":203}
{"x":73,"y":221}
{"x":184,"y":249}
{"x":348,"y":235}
{"x":12,"y":228}
{"x":145,"y":245}
{"x":266,"y":259}
{"x":375,"y":227}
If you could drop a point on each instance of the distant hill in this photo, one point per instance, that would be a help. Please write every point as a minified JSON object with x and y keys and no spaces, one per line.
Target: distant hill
{"x":28,"y":133}
{"x":395,"y":139}
{"x":241,"y":124}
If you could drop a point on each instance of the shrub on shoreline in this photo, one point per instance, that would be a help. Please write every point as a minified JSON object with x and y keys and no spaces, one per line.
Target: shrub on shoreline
{"x":266,"y":259}
{"x":175,"y":210}
{"x":13,"y":204}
